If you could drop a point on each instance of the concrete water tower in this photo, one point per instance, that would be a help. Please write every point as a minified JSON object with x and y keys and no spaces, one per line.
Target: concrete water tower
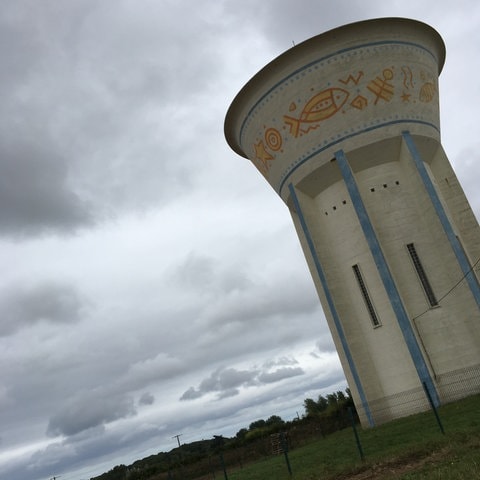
{"x":345,"y":128}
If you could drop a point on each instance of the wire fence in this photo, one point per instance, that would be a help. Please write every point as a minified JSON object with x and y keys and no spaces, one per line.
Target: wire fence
{"x":451,"y":386}
{"x":459,"y":383}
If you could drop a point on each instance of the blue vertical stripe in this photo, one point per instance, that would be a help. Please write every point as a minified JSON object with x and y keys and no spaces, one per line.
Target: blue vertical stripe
{"x":331,"y":306}
{"x":447,"y":226}
{"x":386,"y":276}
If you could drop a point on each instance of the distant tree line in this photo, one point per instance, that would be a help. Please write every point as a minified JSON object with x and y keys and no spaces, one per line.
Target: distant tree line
{"x":260,"y":428}
{"x":324,"y":415}
{"x":332,"y":411}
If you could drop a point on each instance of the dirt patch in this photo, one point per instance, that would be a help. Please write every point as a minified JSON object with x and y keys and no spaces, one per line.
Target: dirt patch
{"x":396,"y":468}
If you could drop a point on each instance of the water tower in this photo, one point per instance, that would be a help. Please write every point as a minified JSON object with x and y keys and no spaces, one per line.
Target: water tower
{"x":345,"y":128}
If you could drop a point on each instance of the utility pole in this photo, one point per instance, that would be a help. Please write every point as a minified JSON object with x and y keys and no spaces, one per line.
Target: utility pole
{"x":178,"y":438}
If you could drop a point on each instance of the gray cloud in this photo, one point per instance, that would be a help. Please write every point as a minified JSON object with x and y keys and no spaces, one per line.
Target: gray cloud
{"x":191,"y":394}
{"x":223,"y":381}
{"x":146,"y":399}
{"x":280,"y":374}
{"x":231,"y":392}
{"x":324,"y":344}
{"x":26,"y":305}
{"x":69,"y":453}
{"x":226,"y":382}
{"x":88,"y":411}
{"x":206,"y":274}
{"x":34,"y":190}
{"x":282,"y":361}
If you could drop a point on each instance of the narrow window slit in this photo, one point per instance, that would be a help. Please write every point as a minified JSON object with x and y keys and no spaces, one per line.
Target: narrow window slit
{"x":366,"y":296}
{"x":422,"y":276}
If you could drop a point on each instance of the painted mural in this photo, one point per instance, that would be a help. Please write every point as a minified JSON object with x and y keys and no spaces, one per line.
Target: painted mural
{"x":353,"y":92}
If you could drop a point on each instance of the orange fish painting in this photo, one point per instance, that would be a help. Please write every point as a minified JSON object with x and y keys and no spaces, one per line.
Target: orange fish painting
{"x":318,"y":108}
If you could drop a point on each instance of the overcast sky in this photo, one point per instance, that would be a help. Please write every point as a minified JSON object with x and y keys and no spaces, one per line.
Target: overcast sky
{"x":152,"y":282}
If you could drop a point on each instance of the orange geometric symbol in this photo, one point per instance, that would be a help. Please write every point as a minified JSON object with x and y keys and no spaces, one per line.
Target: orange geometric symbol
{"x":318,"y":108}
{"x":427,"y":92}
{"x":352,"y":78}
{"x":359,"y":102}
{"x":262,"y":154}
{"x":407,"y":77}
{"x":273,"y":139}
{"x":381,"y":86}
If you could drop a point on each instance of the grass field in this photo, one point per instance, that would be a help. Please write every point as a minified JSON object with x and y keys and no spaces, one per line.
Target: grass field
{"x":412,"y":448}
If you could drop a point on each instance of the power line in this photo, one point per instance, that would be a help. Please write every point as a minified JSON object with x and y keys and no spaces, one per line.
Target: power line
{"x":451,"y":290}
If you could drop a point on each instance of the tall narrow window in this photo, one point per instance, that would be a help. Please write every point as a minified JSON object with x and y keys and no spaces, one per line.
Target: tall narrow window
{"x":366,"y":296}
{"x":422,"y":275}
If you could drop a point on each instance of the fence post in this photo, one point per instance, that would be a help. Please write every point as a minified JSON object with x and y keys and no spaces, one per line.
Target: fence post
{"x":170,"y":477}
{"x":222,"y":461}
{"x":285,"y":451}
{"x":357,"y":439}
{"x":211,"y":466}
{"x":434,"y":408}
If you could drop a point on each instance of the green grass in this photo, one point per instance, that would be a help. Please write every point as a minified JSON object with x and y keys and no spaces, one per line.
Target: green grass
{"x":411,"y":448}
